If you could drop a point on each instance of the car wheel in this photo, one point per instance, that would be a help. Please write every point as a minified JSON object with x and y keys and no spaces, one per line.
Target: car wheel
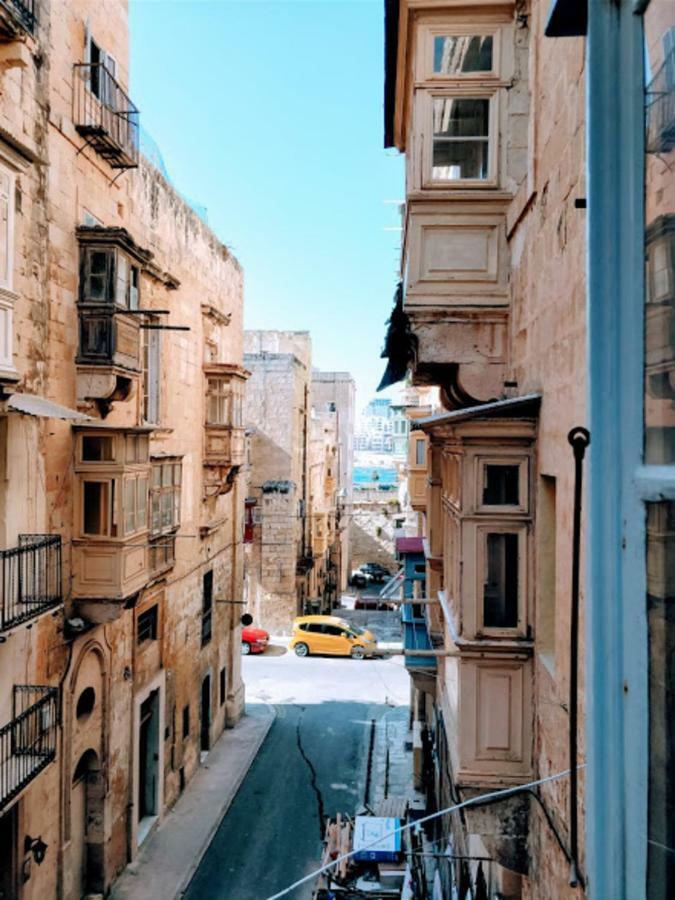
{"x":301,"y":650}
{"x":245,"y":648}
{"x":357,"y":653}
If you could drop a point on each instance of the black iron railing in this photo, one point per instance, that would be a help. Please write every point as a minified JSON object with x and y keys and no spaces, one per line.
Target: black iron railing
{"x":28,"y":742}
{"x":30,"y":578}
{"x":23,"y":12}
{"x":105,"y":116}
{"x":660,"y":108}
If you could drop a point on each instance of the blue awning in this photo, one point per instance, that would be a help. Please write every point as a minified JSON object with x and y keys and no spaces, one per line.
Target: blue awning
{"x":416,"y":637}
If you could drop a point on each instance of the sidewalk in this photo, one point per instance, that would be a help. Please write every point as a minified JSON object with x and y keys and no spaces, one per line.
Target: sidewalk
{"x":170,"y":856}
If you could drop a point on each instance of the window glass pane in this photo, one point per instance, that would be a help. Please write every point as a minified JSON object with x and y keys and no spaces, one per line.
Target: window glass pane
{"x":155,"y":516}
{"x":97,"y":448}
{"x":133,"y":288}
{"x":661,"y":621}
{"x":460,"y":143}
{"x":142,"y":503}
{"x":501,"y":485}
{"x":157,"y":476}
{"x":419,"y":453}
{"x":466,"y":53}
{"x":122,"y":285}
{"x":500,"y":593}
{"x":147,"y":625}
{"x":96,"y":285}
{"x":659,"y":24}
{"x":95,"y":512}
{"x":176,"y":473}
{"x":130,"y":505}
{"x":167,"y":474}
{"x":167,"y":509}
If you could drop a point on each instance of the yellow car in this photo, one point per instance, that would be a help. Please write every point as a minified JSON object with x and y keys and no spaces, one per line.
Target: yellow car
{"x":332,"y":636}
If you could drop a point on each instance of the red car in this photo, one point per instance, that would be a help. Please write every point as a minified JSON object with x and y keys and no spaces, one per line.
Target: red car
{"x":254,"y":640}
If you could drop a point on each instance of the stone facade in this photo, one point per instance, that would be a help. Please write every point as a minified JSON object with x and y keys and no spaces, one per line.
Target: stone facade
{"x":137,"y":499}
{"x":493,"y":260}
{"x":337,"y":391}
{"x":295,"y":556}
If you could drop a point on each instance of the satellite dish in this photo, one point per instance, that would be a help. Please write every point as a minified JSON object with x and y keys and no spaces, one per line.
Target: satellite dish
{"x":246,"y":620}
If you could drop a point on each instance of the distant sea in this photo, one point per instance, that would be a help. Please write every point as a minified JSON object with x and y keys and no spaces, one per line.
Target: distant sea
{"x":374,"y":476}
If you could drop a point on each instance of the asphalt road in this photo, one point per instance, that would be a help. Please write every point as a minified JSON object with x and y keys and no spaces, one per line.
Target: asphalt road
{"x":312,"y":764}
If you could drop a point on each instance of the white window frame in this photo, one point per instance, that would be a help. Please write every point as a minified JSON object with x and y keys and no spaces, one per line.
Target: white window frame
{"x":425,"y":69}
{"x":522,"y":462}
{"x":461,"y":92}
{"x":476,"y":602}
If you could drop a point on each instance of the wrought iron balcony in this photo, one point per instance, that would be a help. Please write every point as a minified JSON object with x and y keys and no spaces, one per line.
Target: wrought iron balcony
{"x":105,"y":116}
{"x":31,"y":578}
{"x":17,"y":16}
{"x":28,"y":742}
{"x":660,"y":108}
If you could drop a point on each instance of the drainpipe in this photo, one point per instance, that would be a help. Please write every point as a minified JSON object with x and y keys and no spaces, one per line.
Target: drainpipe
{"x":579,"y":439}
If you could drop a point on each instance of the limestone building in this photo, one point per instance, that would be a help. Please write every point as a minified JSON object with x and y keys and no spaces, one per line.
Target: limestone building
{"x":295,"y":555}
{"x":121,"y":441}
{"x":336,"y":392}
{"x":490,"y":115}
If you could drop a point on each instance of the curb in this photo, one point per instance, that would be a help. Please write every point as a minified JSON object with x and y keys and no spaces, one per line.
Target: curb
{"x":184,"y":883}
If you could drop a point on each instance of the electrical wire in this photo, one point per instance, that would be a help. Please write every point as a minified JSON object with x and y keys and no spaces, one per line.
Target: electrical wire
{"x":472,"y":801}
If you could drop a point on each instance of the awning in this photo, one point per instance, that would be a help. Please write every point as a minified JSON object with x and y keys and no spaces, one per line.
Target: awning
{"x":513,"y":408}
{"x":32,"y":405}
{"x":416,"y":637}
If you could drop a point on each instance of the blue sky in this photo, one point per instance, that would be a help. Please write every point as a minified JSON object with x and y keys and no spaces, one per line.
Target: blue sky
{"x":269,"y":113}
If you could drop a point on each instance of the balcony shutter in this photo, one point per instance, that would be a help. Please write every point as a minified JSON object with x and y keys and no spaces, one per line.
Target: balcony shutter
{"x":6,"y":183}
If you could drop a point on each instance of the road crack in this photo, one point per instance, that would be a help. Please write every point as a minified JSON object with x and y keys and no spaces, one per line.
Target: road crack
{"x":312,"y":773}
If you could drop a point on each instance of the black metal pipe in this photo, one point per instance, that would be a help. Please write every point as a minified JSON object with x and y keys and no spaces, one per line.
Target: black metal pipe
{"x":579,"y":439}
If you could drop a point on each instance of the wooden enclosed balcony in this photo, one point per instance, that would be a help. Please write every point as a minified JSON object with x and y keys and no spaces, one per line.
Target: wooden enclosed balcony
{"x":105,"y":116}
{"x":456,"y":295}
{"x":110,"y":554}
{"x":225,"y":445}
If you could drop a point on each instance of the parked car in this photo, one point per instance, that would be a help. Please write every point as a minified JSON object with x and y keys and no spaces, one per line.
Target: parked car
{"x":254,"y":640}
{"x":332,"y":636}
{"x":360,"y":579}
{"x":377,"y":572}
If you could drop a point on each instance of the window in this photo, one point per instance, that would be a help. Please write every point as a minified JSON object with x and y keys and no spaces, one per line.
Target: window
{"x":460,"y":144}
{"x":146,"y":627}
{"x":6,"y":228}
{"x":108,"y":276}
{"x":186,"y":720}
{"x":462,"y":54}
{"x":420,"y":454}
{"x":151,"y":374}
{"x":500,"y":593}
{"x":85,"y":703}
{"x":165,"y":496}
{"x":223,"y":682}
{"x":96,"y":507}
{"x":136,"y":448}
{"x":501,"y":485}
{"x":218,"y":401}
{"x":546,"y":564}
{"x":207,"y":607}
{"x":97,"y":448}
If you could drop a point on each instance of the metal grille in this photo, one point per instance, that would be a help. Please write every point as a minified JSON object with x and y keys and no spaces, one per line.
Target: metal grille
{"x":23,"y":11}
{"x":30,"y":578}
{"x":105,"y":115}
{"x":28,"y":742}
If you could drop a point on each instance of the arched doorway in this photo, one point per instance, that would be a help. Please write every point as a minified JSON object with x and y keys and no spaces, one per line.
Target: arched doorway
{"x":86,"y":826}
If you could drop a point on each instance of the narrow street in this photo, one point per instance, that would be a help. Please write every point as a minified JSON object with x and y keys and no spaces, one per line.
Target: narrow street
{"x":313,"y":764}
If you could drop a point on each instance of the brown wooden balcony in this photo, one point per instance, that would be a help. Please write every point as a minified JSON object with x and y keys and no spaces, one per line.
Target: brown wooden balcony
{"x":28,"y":741}
{"x":225,"y":445}
{"x":31,"y":579}
{"x":105,"y":116}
